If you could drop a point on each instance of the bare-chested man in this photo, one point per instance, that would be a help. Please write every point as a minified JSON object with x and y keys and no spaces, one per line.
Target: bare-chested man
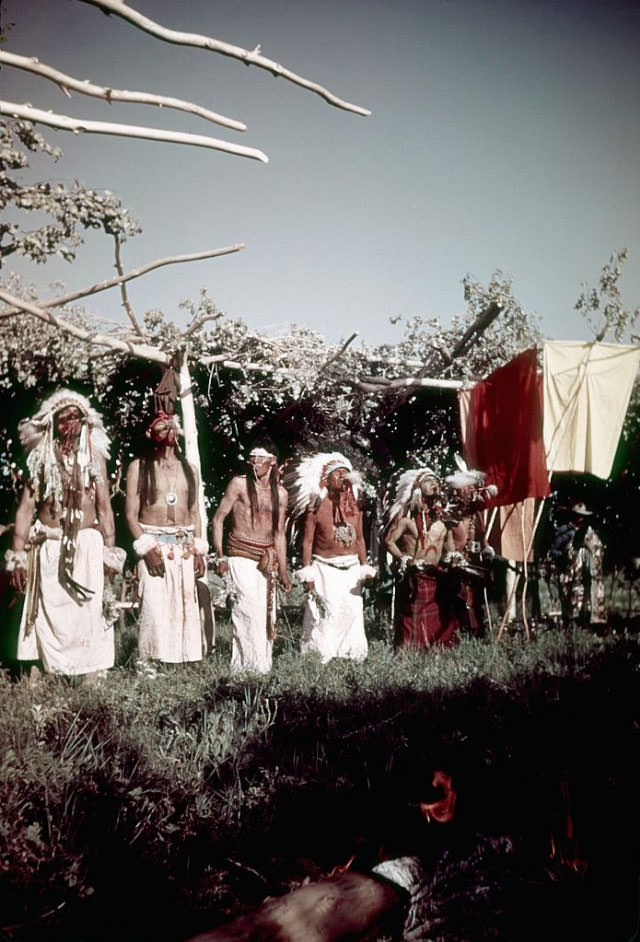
{"x":59,"y":559}
{"x":164,"y":520}
{"x":334,"y":560}
{"x":417,"y":538}
{"x":256,"y":558}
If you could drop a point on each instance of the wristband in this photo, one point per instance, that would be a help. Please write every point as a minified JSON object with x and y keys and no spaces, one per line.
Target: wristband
{"x":114,"y":557}
{"x":143,"y":544}
{"x":200,"y":546}
{"x":15,"y":559}
{"x":367,"y":572}
{"x":306,"y":574}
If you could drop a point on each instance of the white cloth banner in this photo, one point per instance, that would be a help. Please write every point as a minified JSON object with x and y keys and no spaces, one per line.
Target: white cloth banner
{"x":587,"y":387}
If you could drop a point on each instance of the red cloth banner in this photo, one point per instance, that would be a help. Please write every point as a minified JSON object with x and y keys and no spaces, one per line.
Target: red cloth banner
{"x":501,"y":420}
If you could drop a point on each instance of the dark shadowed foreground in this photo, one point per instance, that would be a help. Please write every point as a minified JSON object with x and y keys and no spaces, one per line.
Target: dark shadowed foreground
{"x":147,"y":810}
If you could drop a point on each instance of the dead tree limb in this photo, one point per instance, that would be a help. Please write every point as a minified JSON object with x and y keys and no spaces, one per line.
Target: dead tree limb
{"x":65,"y":123}
{"x":129,"y":276}
{"x":471,"y":334}
{"x":123,"y":290}
{"x":378,"y":384}
{"x":252,"y":57}
{"x":145,"y":351}
{"x":337,"y":355}
{"x":85,"y":87}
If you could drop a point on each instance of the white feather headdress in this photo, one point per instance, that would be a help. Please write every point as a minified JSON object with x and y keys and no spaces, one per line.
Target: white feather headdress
{"x":400,"y":496}
{"x":306,"y":481}
{"x":37,"y":438}
{"x":464,"y":476}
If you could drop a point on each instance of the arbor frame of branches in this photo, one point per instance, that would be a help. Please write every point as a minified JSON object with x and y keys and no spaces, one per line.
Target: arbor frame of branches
{"x":294,"y":388}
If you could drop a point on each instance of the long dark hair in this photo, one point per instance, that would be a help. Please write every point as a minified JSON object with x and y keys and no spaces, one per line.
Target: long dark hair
{"x":147,"y":486}
{"x":275,"y":496}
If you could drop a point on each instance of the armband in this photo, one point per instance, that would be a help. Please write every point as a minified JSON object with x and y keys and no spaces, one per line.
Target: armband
{"x":15,"y":559}
{"x":200,"y":546}
{"x":114,"y":557}
{"x":143,"y":544}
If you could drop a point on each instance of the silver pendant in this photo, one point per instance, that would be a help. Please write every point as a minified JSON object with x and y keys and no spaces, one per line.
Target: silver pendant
{"x":171,"y":499}
{"x":345,"y":533}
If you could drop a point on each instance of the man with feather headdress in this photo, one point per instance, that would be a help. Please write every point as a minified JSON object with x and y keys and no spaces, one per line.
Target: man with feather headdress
{"x":416,"y":536}
{"x":59,"y":559}
{"x":471,"y":555}
{"x":324,"y":494}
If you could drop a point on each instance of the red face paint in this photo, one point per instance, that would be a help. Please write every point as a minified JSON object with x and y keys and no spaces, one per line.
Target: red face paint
{"x":67,"y":423}
{"x":163,"y":430}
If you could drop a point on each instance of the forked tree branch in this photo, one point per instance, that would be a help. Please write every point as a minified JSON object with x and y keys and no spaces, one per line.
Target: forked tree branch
{"x":336,"y":356}
{"x":377,"y":384}
{"x":145,"y":351}
{"x":129,"y":276}
{"x":123,"y":290}
{"x":253,"y":57}
{"x":66,"y":123}
{"x":85,"y":87}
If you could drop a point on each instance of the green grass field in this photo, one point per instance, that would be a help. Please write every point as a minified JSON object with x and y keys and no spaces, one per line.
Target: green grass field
{"x":144,"y":808}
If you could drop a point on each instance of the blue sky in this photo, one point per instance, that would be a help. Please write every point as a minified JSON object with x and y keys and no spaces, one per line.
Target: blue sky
{"x":504,"y":135}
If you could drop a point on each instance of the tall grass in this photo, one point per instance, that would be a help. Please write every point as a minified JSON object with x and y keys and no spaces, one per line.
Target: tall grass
{"x":143,"y":808}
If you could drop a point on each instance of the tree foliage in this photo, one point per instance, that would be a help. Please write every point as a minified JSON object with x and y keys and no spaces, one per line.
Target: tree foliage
{"x":68,"y":210}
{"x":602,"y":307}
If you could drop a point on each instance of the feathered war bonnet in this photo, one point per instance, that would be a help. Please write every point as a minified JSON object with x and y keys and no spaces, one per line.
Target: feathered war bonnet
{"x":37,"y":438}
{"x":307,"y":482}
{"x":469,"y":477}
{"x":464,"y":476}
{"x":406,"y":495}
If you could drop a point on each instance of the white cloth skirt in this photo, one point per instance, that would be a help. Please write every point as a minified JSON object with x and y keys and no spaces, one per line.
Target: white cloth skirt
{"x":251,"y":649}
{"x":169,"y":628}
{"x":69,"y":637}
{"x":333,"y":624}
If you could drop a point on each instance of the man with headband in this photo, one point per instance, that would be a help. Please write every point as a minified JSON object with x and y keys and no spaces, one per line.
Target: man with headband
{"x":60,"y":559}
{"x":163,"y":517}
{"x":256,"y":558}
{"x":325,"y":494}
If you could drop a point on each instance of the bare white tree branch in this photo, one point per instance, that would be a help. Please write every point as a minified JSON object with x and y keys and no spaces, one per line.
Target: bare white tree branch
{"x":376,"y":384}
{"x":129,"y":276}
{"x":123,"y":290}
{"x":99,"y":340}
{"x":66,"y":123}
{"x":199,"y":321}
{"x":85,"y":87}
{"x":252,"y":57}
{"x":220,"y":359}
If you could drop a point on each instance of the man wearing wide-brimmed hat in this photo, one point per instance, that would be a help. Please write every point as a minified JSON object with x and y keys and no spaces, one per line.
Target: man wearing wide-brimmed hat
{"x":578,"y":552}
{"x":59,"y":559}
